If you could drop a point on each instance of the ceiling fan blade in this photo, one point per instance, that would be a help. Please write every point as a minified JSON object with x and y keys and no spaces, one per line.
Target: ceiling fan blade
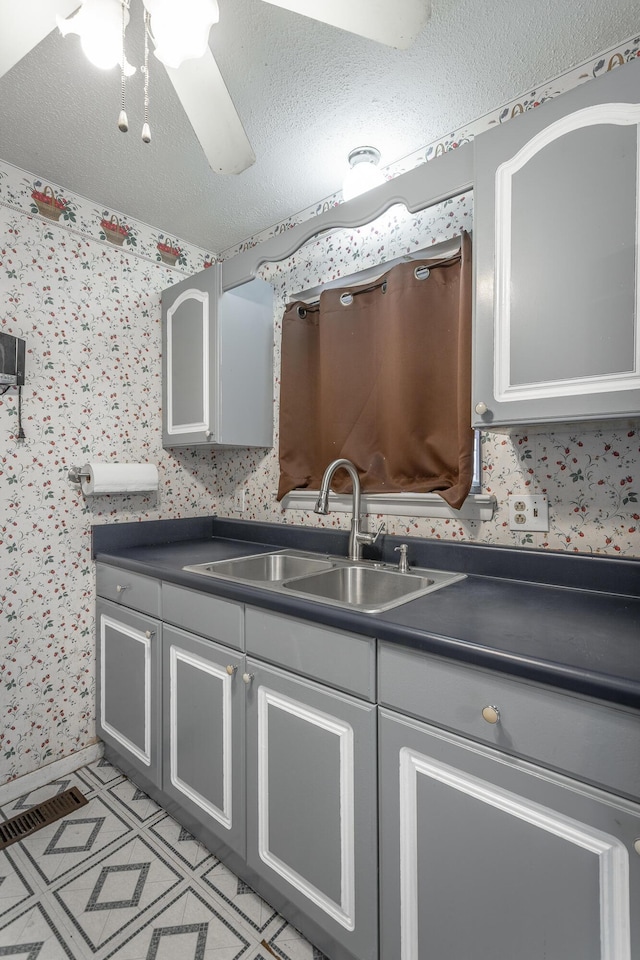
{"x":206,"y":101}
{"x":24,"y":25}
{"x":396,"y":23}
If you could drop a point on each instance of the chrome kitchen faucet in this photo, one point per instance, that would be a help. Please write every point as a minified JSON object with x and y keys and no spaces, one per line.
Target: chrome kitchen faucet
{"x":357,"y":538}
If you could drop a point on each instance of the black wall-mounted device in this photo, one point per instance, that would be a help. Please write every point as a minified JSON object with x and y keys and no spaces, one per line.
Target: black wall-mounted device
{"x":12,"y":351}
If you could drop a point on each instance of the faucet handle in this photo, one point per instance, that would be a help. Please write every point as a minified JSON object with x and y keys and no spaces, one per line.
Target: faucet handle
{"x":380,"y":530}
{"x":368,"y":538}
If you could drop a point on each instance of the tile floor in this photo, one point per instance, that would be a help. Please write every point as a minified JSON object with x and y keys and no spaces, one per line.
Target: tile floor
{"x":120,"y":878}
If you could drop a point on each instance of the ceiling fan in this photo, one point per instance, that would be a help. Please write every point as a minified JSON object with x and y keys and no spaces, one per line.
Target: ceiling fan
{"x":198,"y":82}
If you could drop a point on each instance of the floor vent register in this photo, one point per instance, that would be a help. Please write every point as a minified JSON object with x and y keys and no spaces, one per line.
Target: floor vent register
{"x":24,"y":824}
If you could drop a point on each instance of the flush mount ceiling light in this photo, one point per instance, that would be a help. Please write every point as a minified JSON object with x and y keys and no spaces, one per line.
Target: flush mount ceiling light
{"x":363,"y":173}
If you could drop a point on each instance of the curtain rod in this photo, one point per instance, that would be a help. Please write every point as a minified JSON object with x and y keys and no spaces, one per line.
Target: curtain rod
{"x":439,"y":251}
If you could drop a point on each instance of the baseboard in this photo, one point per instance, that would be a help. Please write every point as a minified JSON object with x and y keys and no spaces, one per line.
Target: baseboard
{"x":51,"y":771}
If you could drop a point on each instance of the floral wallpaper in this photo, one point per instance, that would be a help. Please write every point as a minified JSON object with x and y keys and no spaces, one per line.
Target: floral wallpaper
{"x":26,"y":193}
{"x":89,"y":310}
{"x":82,"y":285}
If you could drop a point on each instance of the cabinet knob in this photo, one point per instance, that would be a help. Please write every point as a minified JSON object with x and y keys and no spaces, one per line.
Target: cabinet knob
{"x":231,"y":669}
{"x":208,"y":434}
{"x":491,"y":714}
{"x":636,"y":845}
{"x":149,"y":633}
{"x":247,"y":677}
{"x":120,"y":588}
{"x":481,"y":408}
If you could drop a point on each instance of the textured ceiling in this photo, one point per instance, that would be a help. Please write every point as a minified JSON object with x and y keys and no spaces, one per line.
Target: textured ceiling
{"x":307,"y":94}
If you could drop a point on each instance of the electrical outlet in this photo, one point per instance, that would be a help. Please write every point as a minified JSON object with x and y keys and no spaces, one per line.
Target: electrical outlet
{"x":529,"y":512}
{"x":238,"y":501}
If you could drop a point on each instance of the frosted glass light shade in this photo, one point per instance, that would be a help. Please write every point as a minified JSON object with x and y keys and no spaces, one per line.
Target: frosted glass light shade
{"x":363,"y":173}
{"x":99,"y":26}
{"x":181,"y":30}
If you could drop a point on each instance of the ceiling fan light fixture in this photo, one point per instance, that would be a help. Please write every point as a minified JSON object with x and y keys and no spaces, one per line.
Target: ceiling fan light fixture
{"x":99,"y":26}
{"x":181,"y":31}
{"x":363,"y":173}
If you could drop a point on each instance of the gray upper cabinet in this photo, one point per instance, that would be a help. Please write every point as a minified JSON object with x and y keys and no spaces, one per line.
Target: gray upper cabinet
{"x":217,"y":354}
{"x":556,"y":228}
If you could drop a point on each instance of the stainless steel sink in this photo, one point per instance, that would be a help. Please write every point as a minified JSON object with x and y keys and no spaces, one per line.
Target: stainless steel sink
{"x":263,"y":567}
{"x":360,"y":586}
{"x":353,"y":585}
{"x":369,"y":589}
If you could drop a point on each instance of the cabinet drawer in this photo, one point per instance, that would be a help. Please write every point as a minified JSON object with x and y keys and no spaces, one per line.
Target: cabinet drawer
{"x":342,"y":660}
{"x":204,"y":614}
{"x":129,"y":589}
{"x":576,"y":736}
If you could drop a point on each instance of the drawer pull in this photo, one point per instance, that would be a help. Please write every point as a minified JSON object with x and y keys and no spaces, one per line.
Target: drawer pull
{"x":149,"y":633}
{"x":121,"y":588}
{"x":491,"y":714}
{"x":247,"y":677}
{"x":231,"y":669}
{"x":636,"y":845}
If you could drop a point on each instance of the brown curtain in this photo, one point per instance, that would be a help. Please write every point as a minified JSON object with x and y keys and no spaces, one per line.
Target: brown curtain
{"x":384,"y":381}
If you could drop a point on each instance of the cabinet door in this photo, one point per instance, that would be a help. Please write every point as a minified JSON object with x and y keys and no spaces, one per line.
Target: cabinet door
{"x":217,"y":354}
{"x":556,"y":230}
{"x":486,"y":856}
{"x":128,"y":674}
{"x":245,"y":331}
{"x":203,"y":734}
{"x":190,"y":360}
{"x":311,"y":806}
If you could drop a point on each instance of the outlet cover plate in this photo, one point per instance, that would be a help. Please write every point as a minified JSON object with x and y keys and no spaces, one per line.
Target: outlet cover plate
{"x":529,"y":512}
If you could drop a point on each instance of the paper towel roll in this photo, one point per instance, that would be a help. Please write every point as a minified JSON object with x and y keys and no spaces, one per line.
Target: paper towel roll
{"x":104,"y":478}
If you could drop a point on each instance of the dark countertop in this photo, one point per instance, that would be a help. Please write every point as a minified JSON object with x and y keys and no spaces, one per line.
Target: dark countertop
{"x":569,"y":621}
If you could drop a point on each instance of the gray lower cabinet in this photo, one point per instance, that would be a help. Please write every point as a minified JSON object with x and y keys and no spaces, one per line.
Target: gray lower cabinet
{"x":483,"y":855}
{"x":128,"y":679}
{"x":311,"y":806}
{"x":474,"y":814}
{"x":203,"y":735}
{"x":556,"y":233}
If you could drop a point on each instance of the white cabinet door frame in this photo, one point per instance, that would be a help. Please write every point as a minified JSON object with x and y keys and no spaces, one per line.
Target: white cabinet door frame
{"x":612,"y":855}
{"x":344,"y":911}
{"x":622,"y":114}
{"x":202,"y":425}
{"x":176,"y":656}
{"x":136,"y":636}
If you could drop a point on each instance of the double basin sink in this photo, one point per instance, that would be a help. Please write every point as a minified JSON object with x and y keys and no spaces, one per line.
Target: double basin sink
{"x":351,"y":584}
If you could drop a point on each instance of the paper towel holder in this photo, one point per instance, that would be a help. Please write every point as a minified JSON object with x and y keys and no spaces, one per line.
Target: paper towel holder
{"x":76,"y":475}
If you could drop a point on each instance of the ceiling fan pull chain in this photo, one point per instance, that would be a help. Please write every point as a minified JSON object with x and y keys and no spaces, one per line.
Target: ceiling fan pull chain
{"x":146,"y":129}
{"x":123,"y":122}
